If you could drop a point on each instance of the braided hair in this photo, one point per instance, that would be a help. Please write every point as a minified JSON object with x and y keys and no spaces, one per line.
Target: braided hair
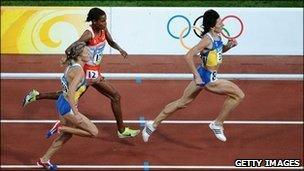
{"x":209,"y":20}
{"x":73,"y":52}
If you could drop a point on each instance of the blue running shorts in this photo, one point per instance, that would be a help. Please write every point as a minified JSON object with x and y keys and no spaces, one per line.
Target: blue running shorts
{"x":206,"y":75}
{"x":63,"y":106}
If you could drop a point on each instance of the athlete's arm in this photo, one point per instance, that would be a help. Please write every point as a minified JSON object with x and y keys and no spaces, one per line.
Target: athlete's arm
{"x":85,"y":37}
{"x":114,"y":44}
{"x":205,"y":41}
{"x":77,"y":74}
{"x":230,"y":44}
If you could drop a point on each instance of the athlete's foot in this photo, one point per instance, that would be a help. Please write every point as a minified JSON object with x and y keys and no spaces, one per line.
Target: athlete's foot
{"x":53,"y":130}
{"x":128,"y":132}
{"x":47,"y":165}
{"x":147,"y":131}
{"x":30,"y":97}
{"x":218,"y":131}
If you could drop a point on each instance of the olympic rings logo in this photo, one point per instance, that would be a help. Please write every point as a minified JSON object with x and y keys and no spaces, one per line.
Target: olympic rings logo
{"x":178,"y":16}
{"x":196,"y":29}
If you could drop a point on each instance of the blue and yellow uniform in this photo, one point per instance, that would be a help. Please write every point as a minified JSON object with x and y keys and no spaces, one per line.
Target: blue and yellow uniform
{"x":211,"y":58}
{"x":63,"y":106}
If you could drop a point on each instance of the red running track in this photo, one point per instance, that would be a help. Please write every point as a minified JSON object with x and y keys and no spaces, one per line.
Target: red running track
{"x":172,"y":144}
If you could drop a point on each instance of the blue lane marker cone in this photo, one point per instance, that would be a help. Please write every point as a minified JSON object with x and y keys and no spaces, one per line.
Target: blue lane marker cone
{"x":138,"y":80}
{"x":146,"y":165}
{"x":142,"y":121}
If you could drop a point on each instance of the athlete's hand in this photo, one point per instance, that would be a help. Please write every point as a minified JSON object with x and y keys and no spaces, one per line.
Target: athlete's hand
{"x":232,"y":43}
{"x":123,"y":53}
{"x":101,"y":78}
{"x":198,"y":80}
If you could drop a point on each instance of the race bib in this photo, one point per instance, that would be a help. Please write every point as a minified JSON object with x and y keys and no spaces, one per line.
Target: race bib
{"x":220,"y":57}
{"x":92,"y":74}
{"x":97,"y":58}
{"x":64,"y":83}
{"x":213,"y":76}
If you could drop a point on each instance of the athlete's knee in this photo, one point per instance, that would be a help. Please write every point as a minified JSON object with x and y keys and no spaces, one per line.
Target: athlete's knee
{"x":181,"y":106}
{"x":239,"y":95}
{"x":184,"y":102}
{"x":94,"y":132}
{"x":116,"y":96}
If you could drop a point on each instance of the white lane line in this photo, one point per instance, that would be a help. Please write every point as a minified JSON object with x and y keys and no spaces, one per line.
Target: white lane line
{"x":158,"y":76}
{"x":146,"y":167}
{"x":13,"y":121}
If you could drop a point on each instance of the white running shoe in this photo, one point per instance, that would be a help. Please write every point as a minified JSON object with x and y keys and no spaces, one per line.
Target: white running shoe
{"x":218,"y":131}
{"x":147,"y":131}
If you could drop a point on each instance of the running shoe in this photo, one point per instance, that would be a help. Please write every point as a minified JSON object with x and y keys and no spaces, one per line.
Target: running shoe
{"x":47,"y":165}
{"x":30,"y":97}
{"x":218,"y":131}
{"x":147,"y":131}
{"x":53,"y":130}
{"x":128,"y":133}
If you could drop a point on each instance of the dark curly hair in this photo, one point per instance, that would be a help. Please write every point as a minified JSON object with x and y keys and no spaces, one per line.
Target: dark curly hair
{"x":73,"y":53}
{"x":94,"y":14}
{"x":209,"y":20}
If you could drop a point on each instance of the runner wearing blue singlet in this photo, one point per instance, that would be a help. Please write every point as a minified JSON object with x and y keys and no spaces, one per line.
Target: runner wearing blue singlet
{"x":95,"y":37}
{"x":72,"y":122}
{"x":210,"y":49}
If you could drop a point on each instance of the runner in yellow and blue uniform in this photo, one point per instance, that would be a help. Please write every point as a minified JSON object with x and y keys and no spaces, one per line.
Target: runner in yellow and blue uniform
{"x":211,"y":59}
{"x":205,"y":76}
{"x":63,"y":106}
{"x":72,"y":122}
{"x":95,"y":37}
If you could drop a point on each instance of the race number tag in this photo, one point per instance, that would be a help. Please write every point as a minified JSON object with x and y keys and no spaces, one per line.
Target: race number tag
{"x":91,"y":74}
{"x":97,"y":58}
{"x":213,"y":76}
{"x":220,"y":57}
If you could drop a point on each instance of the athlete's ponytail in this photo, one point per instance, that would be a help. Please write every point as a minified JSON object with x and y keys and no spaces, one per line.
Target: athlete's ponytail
{"x":73,"y":53}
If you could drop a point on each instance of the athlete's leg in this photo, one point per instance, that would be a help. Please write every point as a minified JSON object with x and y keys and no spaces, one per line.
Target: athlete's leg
{"x":56,"y":145}
{"x":191,"y":91}
{"x":86,"y":128}
{"x":68,"y":124}
{"x":49,"y":95}
{"x":35,"y":95}
{"x":234,"y":93}
{"x":235,"y":96}
{"x":109,"y":91}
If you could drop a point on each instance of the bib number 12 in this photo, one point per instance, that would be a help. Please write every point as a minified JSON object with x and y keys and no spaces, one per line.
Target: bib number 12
{"x":91,"y":74}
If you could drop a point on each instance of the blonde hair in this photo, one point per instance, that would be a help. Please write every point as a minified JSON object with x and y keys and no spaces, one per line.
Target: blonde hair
{"x":73,"y":53}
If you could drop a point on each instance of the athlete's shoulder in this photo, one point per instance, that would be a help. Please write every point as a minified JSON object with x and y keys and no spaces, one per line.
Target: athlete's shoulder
{"x":74,"y":69}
